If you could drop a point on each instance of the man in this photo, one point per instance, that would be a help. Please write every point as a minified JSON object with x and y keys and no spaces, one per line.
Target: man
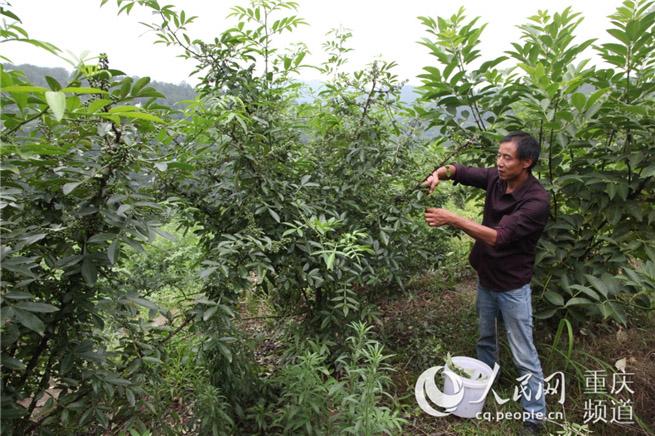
{"x":515,"y":213}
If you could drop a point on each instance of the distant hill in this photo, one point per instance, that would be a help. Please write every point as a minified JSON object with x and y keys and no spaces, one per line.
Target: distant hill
{"x":174,"y":93}
{"x":408,"y":93}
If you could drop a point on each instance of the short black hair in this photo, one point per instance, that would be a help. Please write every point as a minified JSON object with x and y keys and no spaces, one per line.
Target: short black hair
{"x":526,"y":146}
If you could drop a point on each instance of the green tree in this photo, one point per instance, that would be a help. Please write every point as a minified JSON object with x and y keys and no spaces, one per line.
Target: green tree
{"x":77,"y":168}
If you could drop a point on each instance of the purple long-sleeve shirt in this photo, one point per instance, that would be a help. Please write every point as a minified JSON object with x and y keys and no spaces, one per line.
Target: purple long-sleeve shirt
{"x":518,"y":217}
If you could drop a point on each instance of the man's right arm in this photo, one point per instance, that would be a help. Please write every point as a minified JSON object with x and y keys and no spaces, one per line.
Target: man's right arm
{"x":469,"y":176}
{"x":473,"y":176}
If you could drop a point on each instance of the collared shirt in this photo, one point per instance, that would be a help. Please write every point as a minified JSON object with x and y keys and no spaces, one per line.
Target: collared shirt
{"x":519,"y":218}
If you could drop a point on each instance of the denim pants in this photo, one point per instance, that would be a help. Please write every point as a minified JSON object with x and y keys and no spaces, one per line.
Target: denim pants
{"x":515,"y":308}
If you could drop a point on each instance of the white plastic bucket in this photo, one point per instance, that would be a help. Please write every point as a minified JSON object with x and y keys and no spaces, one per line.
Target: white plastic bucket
{"x":473,"y":387}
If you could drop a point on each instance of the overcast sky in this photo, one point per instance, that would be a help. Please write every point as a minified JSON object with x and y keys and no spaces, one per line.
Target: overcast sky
{"x":381,"y":29}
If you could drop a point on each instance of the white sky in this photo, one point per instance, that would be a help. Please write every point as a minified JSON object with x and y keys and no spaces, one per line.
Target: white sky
{"x":382,"y":28}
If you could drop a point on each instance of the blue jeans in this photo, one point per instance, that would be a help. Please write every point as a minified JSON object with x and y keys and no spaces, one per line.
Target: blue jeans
{"x":515,"y":308}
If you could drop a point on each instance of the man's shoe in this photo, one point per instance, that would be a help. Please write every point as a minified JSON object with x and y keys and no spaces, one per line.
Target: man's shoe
{"x":531,"y":428}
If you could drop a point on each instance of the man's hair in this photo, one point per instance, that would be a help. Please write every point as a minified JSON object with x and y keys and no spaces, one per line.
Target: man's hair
{"x":526,"y":146}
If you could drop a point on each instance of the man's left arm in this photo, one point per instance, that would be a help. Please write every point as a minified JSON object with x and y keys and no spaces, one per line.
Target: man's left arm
{"x":440,"y":217}
{"x":529,"y":218}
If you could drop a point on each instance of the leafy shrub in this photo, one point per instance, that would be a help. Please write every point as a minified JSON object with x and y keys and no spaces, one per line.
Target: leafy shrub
{"x":213,"y":411}
{"x":300,"y":200}
{"x":347,"y":400}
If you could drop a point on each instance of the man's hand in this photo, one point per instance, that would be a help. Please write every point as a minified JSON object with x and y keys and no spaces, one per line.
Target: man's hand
{"x":432,"y":181}
{"x":436,"y":217}
{"x":442,"y":173}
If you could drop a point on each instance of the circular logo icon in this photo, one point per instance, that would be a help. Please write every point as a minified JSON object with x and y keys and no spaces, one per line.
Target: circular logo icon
{"x":426,"y":389}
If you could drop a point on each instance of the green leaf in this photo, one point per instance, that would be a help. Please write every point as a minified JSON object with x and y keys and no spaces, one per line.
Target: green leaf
{"x":648,"y":171}
{"x":181,"y":165}
{"x":29,"y":320}
{"x":225,"y":351}
{"x":122,"y":109}
{"x":274,"y":214}
{"x":129,"y":395}
{"x":96,"y":105}
{"x":578,"y":301}
{"x":37,"y":307}
{"x":207,"y":272}
{"x":330,"y":260}
{"x":111,"y":117}
{"x":611,"y":190}
{"x":144,"y":303}
{"x":492,"y":63}
{"x":619,"y":49}
{"x":44,"y":45}
{"x":578,"y":100}
{"x":139,"y":84}
{"x":13,"y":413}
{"x":12,"y":363}
{"x":112,"y":251}
{"x":69,"y":187}
{"x":598,"y":284}
{"x":122,"y":209}
{"x":546,"y":313}
{"x":43,"y":149}
{"x":617,"y":313}
{"x":101,"y":237}
{"x":18,"y":295}
{"x":114,"y":380}
{"x":384,"y":238}
{"x":52,"y":83}
{"x":22,"y":89}
{"x":8,"y":13}
{"x":620,"y":35}
{"x":588,"y":291}
{"x":141,"y":116}
{"x":209,"y":313}
{"x":32,"y":239}
{"x":57,"y":102}
{"x":7,"y":313}
{"x":554,"y":298}
{"x":89,"y":272}
{"x":205,"y":300}
{"x":69,"y":261}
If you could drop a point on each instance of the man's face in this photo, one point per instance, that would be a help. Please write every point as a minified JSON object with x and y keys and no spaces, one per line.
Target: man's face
{"x":508,"y":164}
